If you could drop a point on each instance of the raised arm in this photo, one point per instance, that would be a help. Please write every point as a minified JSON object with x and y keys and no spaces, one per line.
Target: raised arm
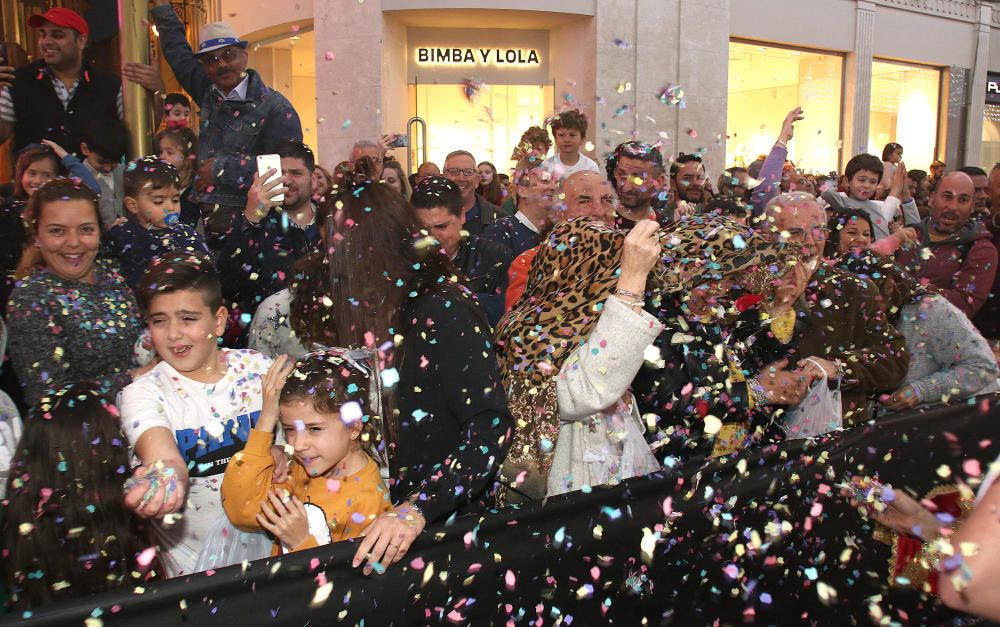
{"x":601,"y":370}
{"x":774,"y":164}
{"x":176,"y":49}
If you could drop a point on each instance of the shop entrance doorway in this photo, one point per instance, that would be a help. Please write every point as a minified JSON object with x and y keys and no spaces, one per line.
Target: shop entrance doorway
{"x":489,"y":124}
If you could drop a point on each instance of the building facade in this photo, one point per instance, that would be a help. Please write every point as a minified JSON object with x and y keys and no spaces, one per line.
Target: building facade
{"x":709,"y":76}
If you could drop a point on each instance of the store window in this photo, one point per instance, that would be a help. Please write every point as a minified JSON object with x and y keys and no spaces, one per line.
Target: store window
{"x":765,"y":83}
{"x":288,"y":64}
{"x":991,"y":122}
{"x":489,"y":127}
{"x":905,"y":105}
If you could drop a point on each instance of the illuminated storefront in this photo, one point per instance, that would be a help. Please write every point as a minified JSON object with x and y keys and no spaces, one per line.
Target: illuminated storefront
{"x":866,"y":73}
{"x":479,"y":89}
{"x":765,"y":83}
{"x":991,"y":122}
{"x":905,"y":108}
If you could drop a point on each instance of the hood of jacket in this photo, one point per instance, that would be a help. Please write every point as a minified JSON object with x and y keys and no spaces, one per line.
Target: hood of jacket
{"x":972,"y":231}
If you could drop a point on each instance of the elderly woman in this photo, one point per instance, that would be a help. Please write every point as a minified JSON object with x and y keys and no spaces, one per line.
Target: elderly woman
{"x":571,"y":346}
{"x":71,"y":316}
{"x":707,"y":385}
{"x":949,"y":359}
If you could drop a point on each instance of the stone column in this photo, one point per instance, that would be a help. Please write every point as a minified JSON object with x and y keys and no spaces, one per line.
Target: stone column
{"x":642,"y":46}
{"x":861,"y":63}
{"x":348,"y":75}
{"x":977,"y":90}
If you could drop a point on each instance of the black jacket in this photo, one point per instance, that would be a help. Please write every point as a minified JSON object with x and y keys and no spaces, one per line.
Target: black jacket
{"x":484,"y":264}
{"x":454,"y":425}
{"x":40,"y":114}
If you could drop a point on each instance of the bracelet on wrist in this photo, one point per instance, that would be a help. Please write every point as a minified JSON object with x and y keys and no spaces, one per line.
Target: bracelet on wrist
{"x":628,"y":294}
{"x":757,"y":392}
{"x":781,"y":143}
{"x":631,"y":302}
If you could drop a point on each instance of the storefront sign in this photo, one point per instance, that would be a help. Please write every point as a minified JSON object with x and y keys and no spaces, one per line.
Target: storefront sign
{"x":993,"y":88}
{"x":477,"y":56}
{"x":494,"y":56}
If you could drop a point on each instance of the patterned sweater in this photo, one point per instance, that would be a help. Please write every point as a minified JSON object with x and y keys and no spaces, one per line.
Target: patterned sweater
{"x":62,"y":330}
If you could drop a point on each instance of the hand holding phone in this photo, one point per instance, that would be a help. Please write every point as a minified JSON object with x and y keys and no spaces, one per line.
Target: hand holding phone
{"x":270,"y":162}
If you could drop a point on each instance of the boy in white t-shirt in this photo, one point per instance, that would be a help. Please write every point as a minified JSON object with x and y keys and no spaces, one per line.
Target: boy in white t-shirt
{"x":570,"y":130}
{"x":192,"y":412}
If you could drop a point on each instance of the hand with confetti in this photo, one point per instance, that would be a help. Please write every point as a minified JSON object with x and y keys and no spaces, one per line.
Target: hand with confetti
{"x":389,"y":538}
{"x":56,"y":148}
{"x":282,"y":464}
{"x":639,"y":255}
{"x":783,"y":386}
{"x":903,"y":398}
{"x":788,"y":126}
{"x":892,"y":508}
{"x":158,"y":489}
{"x":271,"y":386}
{"x":284,"y":516}
{"x":204,"y":177}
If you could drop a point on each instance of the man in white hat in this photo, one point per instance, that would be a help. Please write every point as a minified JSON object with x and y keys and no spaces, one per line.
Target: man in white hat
{"x":241,"y":117}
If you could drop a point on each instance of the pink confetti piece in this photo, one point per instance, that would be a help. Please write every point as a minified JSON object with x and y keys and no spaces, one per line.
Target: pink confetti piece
{"x":328,"y":56}
{"x":333,"y":485}
{"x":510,"y":579}
{"x":417,"y":563}
{"x":146,"y":557}
{"x":972,"y":468}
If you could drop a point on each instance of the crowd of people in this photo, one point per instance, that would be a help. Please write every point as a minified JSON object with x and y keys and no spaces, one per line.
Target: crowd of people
{"x":316,"y":355}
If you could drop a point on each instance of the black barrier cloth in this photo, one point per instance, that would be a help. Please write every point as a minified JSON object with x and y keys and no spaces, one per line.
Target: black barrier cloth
{"x":750,"y":539}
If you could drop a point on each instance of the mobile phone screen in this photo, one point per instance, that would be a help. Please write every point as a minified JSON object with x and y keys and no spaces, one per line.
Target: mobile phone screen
{"x":267,"y":162}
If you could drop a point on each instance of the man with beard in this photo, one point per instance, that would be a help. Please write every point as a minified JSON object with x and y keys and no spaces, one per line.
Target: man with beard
{"x":56,"y":96}
{"x":636,"y":171}
{"x":241,"y":117}
{"x":687,"y":178}
{"x":258,"y":253}
{"x":955,"y":257}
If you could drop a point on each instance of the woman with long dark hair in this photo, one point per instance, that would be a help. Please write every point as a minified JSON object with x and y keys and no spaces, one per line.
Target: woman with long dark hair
{"x":489,"y":183}
{"x":446,"y":423}
{"x":66,"y":530}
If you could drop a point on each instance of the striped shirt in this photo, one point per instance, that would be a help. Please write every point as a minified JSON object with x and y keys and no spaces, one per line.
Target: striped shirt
{"x":64,"y":93}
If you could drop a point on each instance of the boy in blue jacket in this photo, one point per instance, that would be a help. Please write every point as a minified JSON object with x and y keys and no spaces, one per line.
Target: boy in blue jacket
{"x":152,"y":199}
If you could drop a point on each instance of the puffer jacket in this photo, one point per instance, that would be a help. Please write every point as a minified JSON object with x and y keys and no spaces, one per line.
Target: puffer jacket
{"x":960,"y":268}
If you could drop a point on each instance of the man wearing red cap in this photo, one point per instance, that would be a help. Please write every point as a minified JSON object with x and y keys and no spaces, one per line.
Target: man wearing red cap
{"x":56,"y":96}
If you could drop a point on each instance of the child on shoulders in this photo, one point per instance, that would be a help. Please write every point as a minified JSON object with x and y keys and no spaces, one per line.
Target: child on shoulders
{"x":334,"y":490}
{"x":152,"y":228}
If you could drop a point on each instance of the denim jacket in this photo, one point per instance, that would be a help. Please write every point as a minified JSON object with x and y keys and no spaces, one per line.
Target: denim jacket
{"x":233,"y":132}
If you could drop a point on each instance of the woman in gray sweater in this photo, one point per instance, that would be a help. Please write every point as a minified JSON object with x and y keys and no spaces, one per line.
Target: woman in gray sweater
{"x":949,"y":359}
{"x":71,"y":316}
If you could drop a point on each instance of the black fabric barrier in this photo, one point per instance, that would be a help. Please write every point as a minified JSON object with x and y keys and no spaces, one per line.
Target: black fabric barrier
{"x":748,"y":539}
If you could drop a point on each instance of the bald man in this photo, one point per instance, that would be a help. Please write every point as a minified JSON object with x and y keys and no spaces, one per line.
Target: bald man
{"x":956,"y":256}
{"x":426,"y":169}
{"x":583,"y":193}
